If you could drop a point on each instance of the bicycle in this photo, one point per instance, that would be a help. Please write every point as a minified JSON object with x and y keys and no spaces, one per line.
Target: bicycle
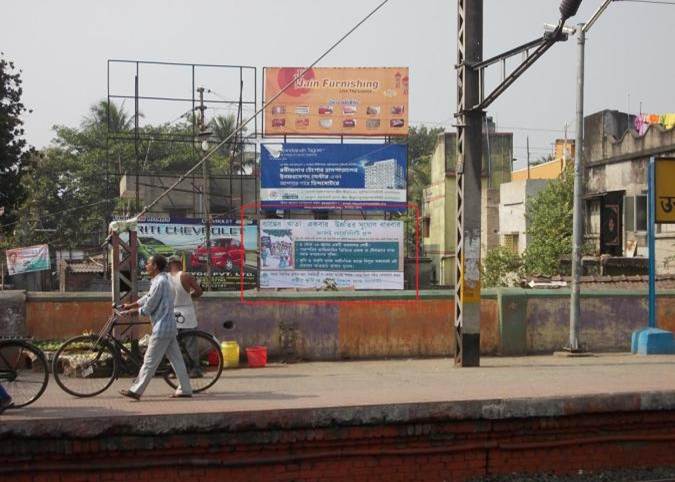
{"x":86,"y":365}
{"x":24,"y":371}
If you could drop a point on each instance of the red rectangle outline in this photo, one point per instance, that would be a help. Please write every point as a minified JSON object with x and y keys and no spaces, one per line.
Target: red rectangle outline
{"x":243,"y":300}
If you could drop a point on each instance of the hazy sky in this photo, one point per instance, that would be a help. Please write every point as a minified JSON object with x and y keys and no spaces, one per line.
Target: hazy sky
{"x":63,"y":48}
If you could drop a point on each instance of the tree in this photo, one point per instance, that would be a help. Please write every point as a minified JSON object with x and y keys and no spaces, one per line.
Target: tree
{"x":421,"y":143}
{"x":14,"y":150}
{"x":549,"y":231}
{"x":501,"y":267}
{"x":109,"y":116}
{"x":72,"y":185}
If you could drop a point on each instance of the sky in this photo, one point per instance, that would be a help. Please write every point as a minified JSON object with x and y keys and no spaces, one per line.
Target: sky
{"x":63,"y":49}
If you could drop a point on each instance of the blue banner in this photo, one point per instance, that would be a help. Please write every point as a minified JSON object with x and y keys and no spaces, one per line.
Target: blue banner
{"x":333,"y":176}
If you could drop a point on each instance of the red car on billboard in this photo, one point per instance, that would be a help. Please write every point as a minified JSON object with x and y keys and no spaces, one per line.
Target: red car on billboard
{"x":225,"y":254}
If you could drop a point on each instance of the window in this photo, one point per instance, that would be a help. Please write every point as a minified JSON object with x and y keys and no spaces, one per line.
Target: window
{"x":426,"y":226}
{"x":593,"y":216}
{"x":636,"y":213}
{"x":641,"y":213}
{"x":511,"y":242}
{"x":629,"y":213}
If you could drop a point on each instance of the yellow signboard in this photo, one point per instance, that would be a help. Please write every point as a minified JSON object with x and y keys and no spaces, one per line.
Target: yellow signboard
{"x":664,"y":180}
{"x":337,"y":101}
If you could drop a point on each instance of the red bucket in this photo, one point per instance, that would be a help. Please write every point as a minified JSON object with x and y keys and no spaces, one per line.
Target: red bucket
{"x":213,"y":358}
{"x":256,"y":356}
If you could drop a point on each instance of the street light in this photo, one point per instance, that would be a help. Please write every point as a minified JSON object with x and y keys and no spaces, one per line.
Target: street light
{"x":577,"y":209}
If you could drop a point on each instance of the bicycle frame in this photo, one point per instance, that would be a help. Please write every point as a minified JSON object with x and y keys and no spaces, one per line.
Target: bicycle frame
{"x":106,"y":333}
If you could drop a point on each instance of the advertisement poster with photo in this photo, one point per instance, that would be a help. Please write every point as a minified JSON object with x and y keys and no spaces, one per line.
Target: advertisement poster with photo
{"x":28,"y":259}
{"x":328,"y":254}
{"x":337,"y":101}
{"x":186,"y":237}
{"x":333,"y":176}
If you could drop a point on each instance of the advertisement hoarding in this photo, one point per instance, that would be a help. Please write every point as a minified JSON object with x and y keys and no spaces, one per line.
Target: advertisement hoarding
{"x":361,"y":255}
{"x":186,"y":237}
{"x":664,"y":183}
{"x":337,"y":101}
{"x":28,"y":259}
{"x":333,"y":176}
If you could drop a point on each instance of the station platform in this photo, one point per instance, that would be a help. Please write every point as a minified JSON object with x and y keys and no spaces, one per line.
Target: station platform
{"x":367,"y":420}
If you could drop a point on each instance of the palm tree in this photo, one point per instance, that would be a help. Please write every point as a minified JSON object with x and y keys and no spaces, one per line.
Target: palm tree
{"x":222,"y":127}
{"x":110,"y":115}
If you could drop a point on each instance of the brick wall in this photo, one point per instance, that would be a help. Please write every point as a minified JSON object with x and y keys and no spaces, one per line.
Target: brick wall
{"x":433,"y":451}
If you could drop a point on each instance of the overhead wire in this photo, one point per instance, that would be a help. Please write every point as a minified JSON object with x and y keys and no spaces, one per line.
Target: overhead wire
{"x":47,"y":216}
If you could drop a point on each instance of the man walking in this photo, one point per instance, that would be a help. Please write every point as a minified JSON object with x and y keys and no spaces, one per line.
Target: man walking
{"x":158,"y":305}
{"x":186,"y":289}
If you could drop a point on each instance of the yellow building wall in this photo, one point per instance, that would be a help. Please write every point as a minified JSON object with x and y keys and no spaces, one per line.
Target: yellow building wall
{"x":547,"y":170}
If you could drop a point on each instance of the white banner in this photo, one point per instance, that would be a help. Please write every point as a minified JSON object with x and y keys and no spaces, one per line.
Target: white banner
{"x":331,"y":253}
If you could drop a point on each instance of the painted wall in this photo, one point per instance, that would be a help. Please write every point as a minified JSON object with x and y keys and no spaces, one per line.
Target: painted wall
{"x":331,"y":326}
{"x":513,"y":208}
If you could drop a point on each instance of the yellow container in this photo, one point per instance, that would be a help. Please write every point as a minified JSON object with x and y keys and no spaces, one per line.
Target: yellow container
{"x":230,"y":351}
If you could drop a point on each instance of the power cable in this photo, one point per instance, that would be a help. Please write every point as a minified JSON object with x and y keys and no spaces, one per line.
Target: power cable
{"x":64,"y":211}
{"x":276,"y":96}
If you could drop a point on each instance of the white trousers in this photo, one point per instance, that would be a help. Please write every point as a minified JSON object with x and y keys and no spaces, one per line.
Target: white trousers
{"x":157,"y":348}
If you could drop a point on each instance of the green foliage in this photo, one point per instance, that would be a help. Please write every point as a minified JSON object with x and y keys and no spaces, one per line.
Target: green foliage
{"x":421,"y":143}
{"x":13,"y":147}
{"x":501,"y":267}
{"x":549,"y":235}
{"x":72,"y":185}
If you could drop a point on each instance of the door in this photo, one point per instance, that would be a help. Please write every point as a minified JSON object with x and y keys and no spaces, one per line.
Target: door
{"x":611,"y":227}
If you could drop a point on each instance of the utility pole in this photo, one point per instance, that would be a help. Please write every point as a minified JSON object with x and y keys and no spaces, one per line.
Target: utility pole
{"x":136,"y":142}
{"x":468,"y":178}
{"x":564,"y":153}
{"x":471,"y":105}
{"x":577,"y":214}
{"x":201,"y":120}
{"x":528,"y":158}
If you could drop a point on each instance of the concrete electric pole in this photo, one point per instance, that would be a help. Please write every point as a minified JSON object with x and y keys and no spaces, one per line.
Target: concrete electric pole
{"x":206,"y":198}
{"x":471,"y":105}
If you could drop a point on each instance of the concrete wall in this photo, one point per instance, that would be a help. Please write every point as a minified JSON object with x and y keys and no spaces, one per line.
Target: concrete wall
{"x":321,"y":326}
{"x":616,"y":161}
{"x":12,"y":313}
{"x":545,"y":170}
{"x":513,"y":205}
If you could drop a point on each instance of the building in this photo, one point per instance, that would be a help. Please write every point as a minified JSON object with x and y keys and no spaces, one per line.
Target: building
{"x":563,"y":155}
{"x":513,"y":198}
{"x":525,"y":184}
{"x":438,"y":210}
{"x":615,"y":186}
{"x":225,"y":194}
{"x":386,"y":174}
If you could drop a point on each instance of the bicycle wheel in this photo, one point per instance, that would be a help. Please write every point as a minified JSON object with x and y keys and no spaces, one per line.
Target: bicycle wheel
{"x":203,"y":360}
{"x":23,"y":371}
{"x":85,"y":366}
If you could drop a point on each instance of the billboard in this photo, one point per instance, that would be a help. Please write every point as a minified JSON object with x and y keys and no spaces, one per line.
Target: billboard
{"x":337,"y":101}
{"x":27,"y":260}
{"x":331,"y":254}
{"x":333,"y":176}
{"x":664,"y":183}
{"x":186,"y":237}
